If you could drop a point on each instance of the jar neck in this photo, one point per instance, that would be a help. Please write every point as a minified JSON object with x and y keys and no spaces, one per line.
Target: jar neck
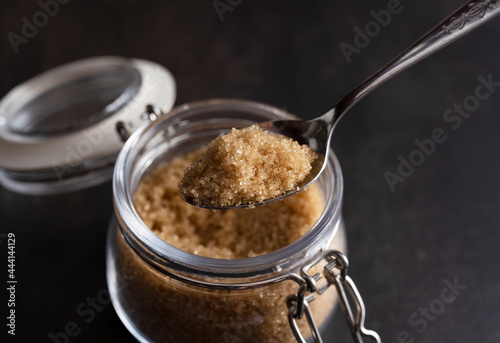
{"x":171,"y":133}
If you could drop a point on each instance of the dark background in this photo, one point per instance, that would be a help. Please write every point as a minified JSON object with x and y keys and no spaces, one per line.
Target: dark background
{"x":440,"y":224}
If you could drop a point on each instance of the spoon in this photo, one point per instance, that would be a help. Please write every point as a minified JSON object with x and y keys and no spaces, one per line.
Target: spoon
{"x":317,"y":133}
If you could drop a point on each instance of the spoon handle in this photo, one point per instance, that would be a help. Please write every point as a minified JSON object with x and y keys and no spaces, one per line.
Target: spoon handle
{"x":462,"y":21}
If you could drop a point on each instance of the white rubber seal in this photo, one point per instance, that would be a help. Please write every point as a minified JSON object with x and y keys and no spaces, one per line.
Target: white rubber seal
{"x":25,"y":153}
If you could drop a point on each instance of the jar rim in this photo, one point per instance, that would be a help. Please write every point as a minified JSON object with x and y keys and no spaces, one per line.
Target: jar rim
{"x":167,"y":258}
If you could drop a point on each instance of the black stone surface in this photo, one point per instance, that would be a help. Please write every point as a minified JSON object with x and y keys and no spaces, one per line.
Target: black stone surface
{"x":441,"y":224}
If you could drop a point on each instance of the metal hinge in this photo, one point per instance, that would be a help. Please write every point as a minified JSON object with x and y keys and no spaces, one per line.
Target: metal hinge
{"x":335,"y":273}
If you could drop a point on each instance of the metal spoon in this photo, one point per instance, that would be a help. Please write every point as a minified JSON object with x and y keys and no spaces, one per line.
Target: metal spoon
{"x":317,"y":132}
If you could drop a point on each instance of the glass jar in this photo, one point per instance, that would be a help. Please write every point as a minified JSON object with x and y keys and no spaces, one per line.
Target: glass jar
{"x":160,"y":292}
{"x":164,"y":294}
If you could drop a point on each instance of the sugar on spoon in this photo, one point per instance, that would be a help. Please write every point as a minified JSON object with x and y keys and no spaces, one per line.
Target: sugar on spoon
{"x":316,"y":133}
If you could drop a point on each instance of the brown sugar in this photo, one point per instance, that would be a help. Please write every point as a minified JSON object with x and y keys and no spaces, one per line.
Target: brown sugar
{"x":168,"y":310}
{"x":227,"y":234}
{"x":246,"y":166}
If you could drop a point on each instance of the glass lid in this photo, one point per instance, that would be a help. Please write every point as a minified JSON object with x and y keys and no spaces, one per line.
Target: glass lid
{"x":62,"y":130}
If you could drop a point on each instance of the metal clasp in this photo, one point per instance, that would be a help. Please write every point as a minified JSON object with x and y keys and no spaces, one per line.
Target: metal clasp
{"x":335,"y":273}
{"x":152,"y":113}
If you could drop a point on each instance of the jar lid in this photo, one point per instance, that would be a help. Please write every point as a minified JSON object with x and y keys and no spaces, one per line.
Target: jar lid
{"x":62,"y":130}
